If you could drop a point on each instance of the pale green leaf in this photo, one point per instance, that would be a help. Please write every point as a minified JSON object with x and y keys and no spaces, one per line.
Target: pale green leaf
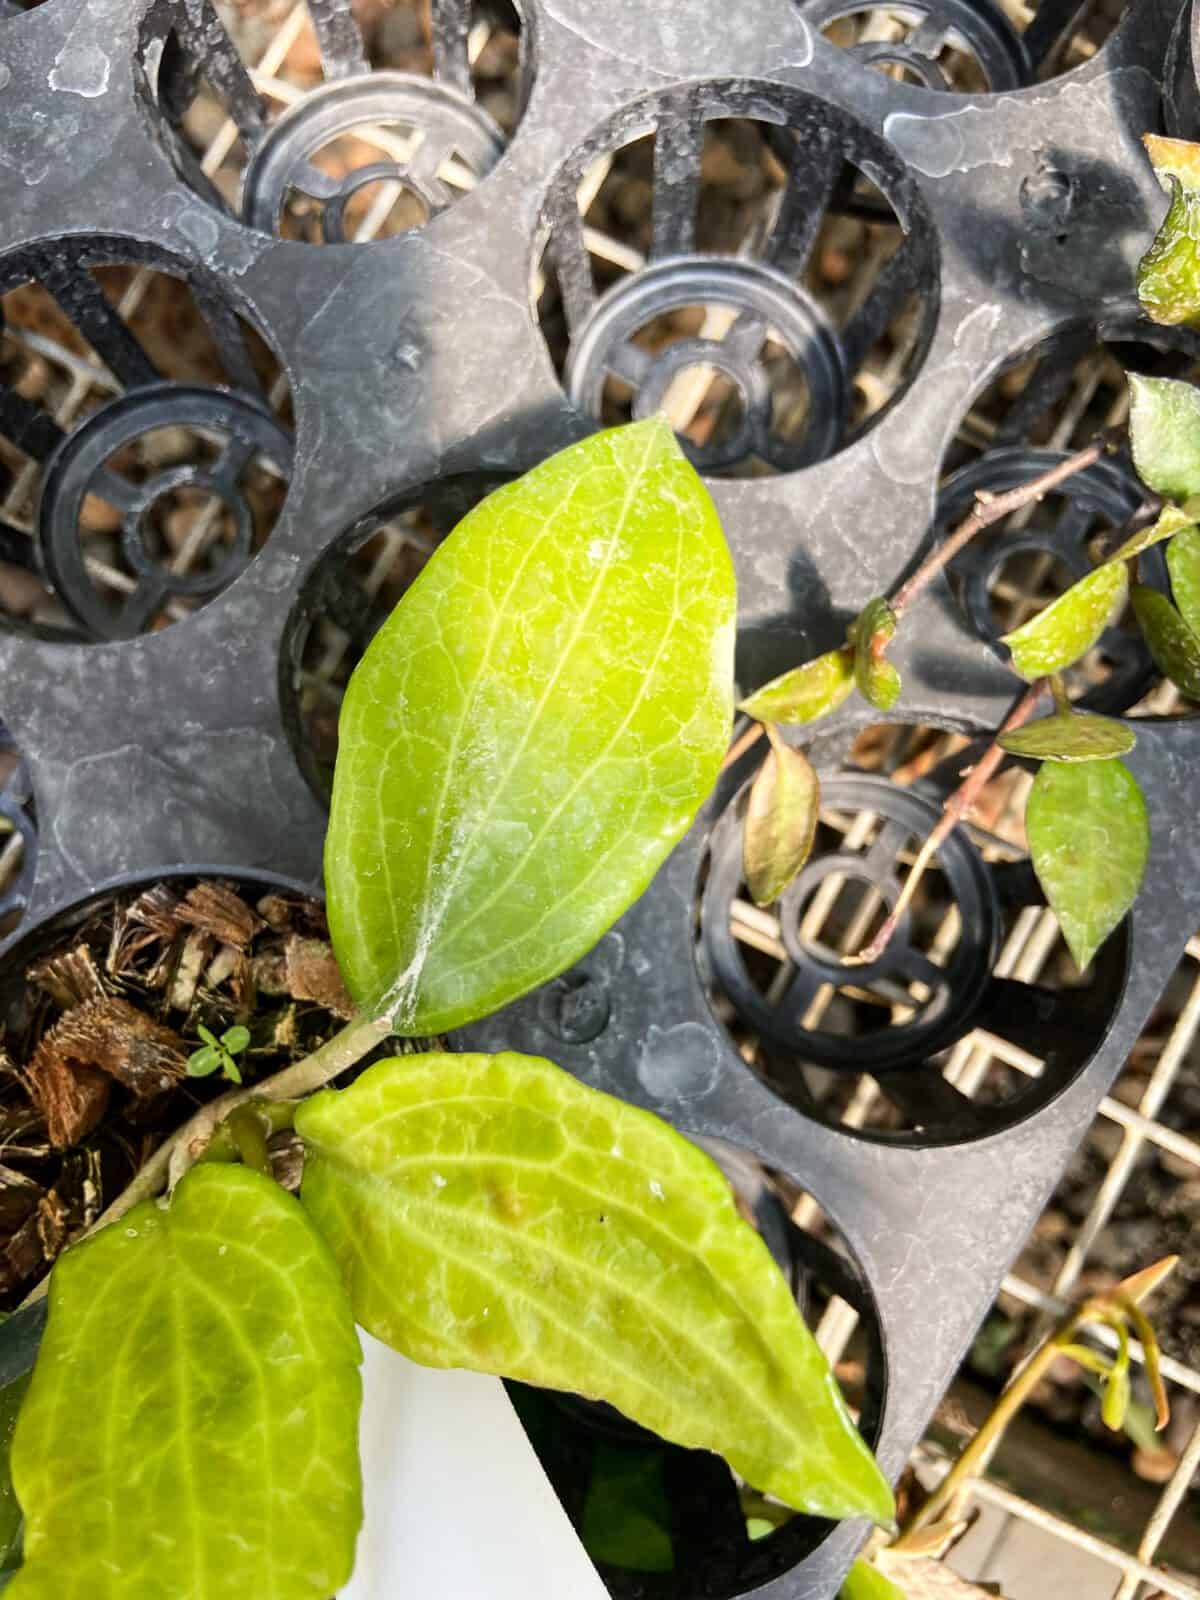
{"x":236,"y":1038}
{"x":1164,"y":433}
{"x":1168,"y":277}
{"x":492,"y":1212}
{"x":531,"y":731}
{"x":866,"y":1582}
{"x":1089,"y":837}
{"x":1175,"y":648}
{"x":1068,"y":628}
{"x":191,"y":1432}
{"x":877,"y":679}
{"x":781,"y":821}
{"x":1170,"y":521}
{"x":1183,"y":563}
{"x":805,"y":693}
{"x":1070,"y":736}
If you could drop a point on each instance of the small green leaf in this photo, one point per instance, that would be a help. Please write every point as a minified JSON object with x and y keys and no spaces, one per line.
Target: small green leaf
{"x":865,"y":1582}
{"x":805,"y":693}
{"x":781,"y":821}
{"x":1068,"y":628}
{"x":1164,"y":433}
{"x":492,"y":1212}
{"x":1069,"y":736}
{"x":531,"y":731}
{"x":1183,"y":563}
{"x":1169,"y":273}
{"x":1089,"y":837}
{"x":204,"y":1062}
{"x":236,"y":1039}
{"x":192,"y":1425}
{"x":207,"y":1035}
{"x":877,"y":679}
{"x":231,"y":1069}
{"x":1171,"y":520}
{"x":627,"y":1516}
{"x":1175,"y":648}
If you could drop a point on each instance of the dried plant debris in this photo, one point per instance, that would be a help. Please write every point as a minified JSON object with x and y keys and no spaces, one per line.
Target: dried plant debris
{"x":95,"y":1034}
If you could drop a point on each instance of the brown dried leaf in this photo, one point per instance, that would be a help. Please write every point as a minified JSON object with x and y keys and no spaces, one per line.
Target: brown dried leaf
{"x":157,"y":910}
{"x":922,"y":1579}
{"x":215,"y":909}
{"x":72,"y":1099}
{"x":116,"y":1038}
{"x":312,"y":974}
{"x":70,"y":978}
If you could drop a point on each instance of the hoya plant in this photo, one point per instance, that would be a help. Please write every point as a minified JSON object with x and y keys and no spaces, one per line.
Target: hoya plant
{"x":521,"y":746}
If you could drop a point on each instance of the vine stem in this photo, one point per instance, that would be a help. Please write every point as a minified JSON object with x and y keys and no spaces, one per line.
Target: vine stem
{"x":956,"y":809}
{"x":187,"y":1144}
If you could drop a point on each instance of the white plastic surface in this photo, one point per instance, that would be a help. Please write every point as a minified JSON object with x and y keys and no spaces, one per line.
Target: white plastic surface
{"x":457,"y":1504}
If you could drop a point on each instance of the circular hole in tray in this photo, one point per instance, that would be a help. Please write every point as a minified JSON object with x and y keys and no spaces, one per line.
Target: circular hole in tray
{"x":346,"y":599}
{"x":759,"y":267}
{"x":972,"y":1018}
{"x":664,"y":1523}
{"x":145,"y":440}
{"x":964,"y":46}
{"x":1042,"y":406}
{"x":337,"y":125}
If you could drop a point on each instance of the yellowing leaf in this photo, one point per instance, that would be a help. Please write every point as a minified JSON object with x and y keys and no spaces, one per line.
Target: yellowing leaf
{"x":1068,"y":628}
{"x":1169,"y":273}
{"x":1089,"y":836}
{"x":781,"y":821}
{"x":1164,"y":434}
{"x":1170,"y":521}
{"x":866,"y":1582}
{"x":192,"y":1426}
{"x":492,"y":1212}
{"x":1069,"y":736}
{"x":531,"y":731}
{"x":805,"y":693}
{"x":1183,"y":563}
{"x":877,"y":679}
{"x":1175,"y":648}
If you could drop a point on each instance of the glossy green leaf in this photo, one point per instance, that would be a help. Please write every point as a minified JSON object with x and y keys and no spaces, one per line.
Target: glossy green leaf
{"x":805,"y":693}
{"x":865,"y":1582}
{"x":492,"y":1212}
{"x":1175,"y":648}
{"x":1168,"y":277}
{"x":1089,"y":836}
{"x":1164,"y":433}
{"x":1070,"y":736}
{"x":1183,"y":563}
{"x":627,"y":1516}
{"x":531,"y":731}
{"x":1171,"y":520}
{"x":1069,"y":627}
{"x":191,"y":1432}
{"x":781,"y":821}
{"x":877,"y":679}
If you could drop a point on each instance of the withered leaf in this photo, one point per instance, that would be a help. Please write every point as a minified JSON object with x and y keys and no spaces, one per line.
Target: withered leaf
{"x":120,"y":1040}
{"x":72,"y":1099}
{"x":216,"y":909}
{"x":311,"y":973}
{"x":70,"y":978}
{"x":781,"y":821}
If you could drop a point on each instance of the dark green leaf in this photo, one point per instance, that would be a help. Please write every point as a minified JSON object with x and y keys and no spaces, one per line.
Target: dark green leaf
{"x":1169,"y":273}
{"x":204,"y":1062}
{"x":781,"y":821}
{"x":192,"y":1426}
{"x":1170,"y":521}
{"x":805,"y":693}
{"x":531,"y":731}
{"x":1070,"y":736}
{"x":1089,"y":836}
{"x":1164,"y":432}
{"x":1175,"y":648}
{"x":865,"y":1582}
{"x":11,"y":1399}
{"x":1183,"y":563}
{"x":877,"y":679}
{"x":492,"y":1212}
{"x":626,"y":1516}
{"x":1068,"y":628}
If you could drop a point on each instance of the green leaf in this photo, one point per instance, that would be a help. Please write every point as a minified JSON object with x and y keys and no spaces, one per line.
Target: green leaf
{"x":1183,"y":563}
{"x":492,"y":1212}
{"x":865,"y":1582}
{"x":626,"y":1516}
{"x":1169,"y":273}
{"x":12,"y":1397}
{"x":781,"y":821}
{"x":805,"y":693}
{"x":1089,"y":836}
{"x":204,"y":1062}
{"x":1070,"y":736}
{"x":207,"y":1034}
{"x":531,"y":731}
{"x":231,"y":1069}
{"x":1164,"y":433}
{"x":1171,"y":520}
{"x":1069,"y":627}
{"x":236,"y":1039}
{"x":1175,"y":648}
{"x":191,"y":1429}
{"x":877,"y":679}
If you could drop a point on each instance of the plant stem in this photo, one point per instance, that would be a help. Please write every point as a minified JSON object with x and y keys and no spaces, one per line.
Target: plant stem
{"x":957,"y":807}
{"x":991,"y":508}
{"x":188,"y":1143}
{"x":737,"y":750}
